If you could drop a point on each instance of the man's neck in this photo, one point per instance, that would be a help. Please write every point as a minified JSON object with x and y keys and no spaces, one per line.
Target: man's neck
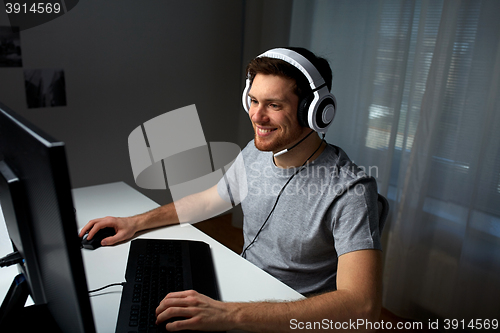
{"x":299,"y":154}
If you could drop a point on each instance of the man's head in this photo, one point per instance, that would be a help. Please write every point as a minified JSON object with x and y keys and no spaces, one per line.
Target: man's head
{"x":294,"y":82}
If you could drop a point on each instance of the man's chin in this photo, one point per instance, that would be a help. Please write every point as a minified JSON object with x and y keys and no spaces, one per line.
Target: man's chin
{"x":263,"y":146}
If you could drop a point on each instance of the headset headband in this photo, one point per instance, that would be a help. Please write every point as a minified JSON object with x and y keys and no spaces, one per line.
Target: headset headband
{"x":300,"y":62}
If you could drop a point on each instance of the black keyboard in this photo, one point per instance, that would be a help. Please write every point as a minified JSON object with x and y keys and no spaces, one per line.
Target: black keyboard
{"x":156,"y":268}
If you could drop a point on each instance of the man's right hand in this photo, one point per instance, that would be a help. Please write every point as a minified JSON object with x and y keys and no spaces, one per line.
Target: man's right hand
{"x":125,"y":229}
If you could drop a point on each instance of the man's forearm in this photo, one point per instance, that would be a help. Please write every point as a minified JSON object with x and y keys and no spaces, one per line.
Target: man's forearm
{"x":340,"y":306}
{"x":158,"y":217}
{"x":190,"y":209}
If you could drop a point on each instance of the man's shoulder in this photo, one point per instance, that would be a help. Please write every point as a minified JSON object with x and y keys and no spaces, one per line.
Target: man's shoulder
{"x":344,"y":169}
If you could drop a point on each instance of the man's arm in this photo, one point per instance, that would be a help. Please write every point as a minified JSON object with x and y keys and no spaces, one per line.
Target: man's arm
{"x":358,"y":296}
{"x":190,"y":209}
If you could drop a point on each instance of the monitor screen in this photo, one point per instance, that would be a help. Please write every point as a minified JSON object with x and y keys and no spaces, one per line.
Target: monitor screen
{"x":36,"y":200}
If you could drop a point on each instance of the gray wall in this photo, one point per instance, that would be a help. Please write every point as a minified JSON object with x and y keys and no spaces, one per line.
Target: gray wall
{"x":126,"y":62}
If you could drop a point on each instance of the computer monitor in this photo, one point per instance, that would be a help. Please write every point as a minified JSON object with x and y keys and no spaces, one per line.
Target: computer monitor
{"x":37,"y":204}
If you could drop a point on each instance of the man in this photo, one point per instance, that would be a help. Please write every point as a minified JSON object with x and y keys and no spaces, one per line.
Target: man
{"x":311,"y":216}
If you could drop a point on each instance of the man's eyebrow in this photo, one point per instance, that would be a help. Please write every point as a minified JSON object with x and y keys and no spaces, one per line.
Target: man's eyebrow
{"x":269,"y":99}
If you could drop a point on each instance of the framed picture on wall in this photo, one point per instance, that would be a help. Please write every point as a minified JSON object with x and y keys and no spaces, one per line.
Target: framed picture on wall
{"x":45,"y":88}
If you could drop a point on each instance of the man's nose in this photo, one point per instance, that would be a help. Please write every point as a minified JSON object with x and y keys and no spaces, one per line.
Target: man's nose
{"x":259,"y":114}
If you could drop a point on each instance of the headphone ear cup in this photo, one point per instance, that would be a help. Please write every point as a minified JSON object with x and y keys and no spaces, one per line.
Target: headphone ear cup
{"x":245,"y":99}
{"x":303,"y":110}
{"x":325,"y":113}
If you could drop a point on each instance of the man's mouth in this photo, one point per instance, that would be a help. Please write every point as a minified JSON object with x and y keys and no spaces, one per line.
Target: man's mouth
{"x":264,"y":131}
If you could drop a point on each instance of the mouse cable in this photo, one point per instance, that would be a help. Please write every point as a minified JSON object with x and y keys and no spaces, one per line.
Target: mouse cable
{"x":109,"y":285}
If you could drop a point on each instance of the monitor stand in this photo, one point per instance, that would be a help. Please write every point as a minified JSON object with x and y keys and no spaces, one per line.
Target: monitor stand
{"x":15,"y":317}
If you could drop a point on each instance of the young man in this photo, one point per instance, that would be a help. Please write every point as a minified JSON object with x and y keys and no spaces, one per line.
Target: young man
{"x":311,"y":215}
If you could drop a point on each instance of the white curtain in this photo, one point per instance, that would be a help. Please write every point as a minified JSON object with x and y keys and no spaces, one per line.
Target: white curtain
{"x":418,"y":91}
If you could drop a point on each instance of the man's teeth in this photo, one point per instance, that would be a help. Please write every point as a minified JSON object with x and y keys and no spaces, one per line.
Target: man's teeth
{"x":265,"y":130}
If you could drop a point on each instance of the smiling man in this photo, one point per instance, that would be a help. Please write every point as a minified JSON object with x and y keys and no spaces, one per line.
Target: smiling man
{"x":310,"y":216}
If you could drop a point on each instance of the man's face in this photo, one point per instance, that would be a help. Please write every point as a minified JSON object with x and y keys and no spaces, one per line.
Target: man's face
{"x":273,"y":112}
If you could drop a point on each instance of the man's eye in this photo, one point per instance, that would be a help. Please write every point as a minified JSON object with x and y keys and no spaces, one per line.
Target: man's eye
{"x":274,"y":106}
{"x":253,"y":101}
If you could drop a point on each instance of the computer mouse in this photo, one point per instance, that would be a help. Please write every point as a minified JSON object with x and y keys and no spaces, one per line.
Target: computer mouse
{"x":95,"y":242}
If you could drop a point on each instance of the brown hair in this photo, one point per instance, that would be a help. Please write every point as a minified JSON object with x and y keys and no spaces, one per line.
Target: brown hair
{"x":271,"y":66}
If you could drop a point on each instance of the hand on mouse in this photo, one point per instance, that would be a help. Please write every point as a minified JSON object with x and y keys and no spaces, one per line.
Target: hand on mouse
{"x":125,"y":229}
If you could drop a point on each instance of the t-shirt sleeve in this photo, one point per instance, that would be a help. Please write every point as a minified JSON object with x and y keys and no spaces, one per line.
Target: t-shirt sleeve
{"x":232,"y":187}
{"x":356,"y":221}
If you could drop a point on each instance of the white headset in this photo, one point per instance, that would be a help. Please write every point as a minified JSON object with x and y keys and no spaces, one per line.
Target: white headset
{"x":317,"y":110}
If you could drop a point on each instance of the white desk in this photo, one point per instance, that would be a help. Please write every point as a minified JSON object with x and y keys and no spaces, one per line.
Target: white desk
{"x":238,"y":279}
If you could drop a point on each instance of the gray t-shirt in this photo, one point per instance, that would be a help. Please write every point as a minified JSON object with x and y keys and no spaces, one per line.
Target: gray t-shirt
{"x":328,"y":209}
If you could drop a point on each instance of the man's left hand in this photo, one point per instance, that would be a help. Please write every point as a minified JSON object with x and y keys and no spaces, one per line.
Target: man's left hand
{"x":201,"y":312}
